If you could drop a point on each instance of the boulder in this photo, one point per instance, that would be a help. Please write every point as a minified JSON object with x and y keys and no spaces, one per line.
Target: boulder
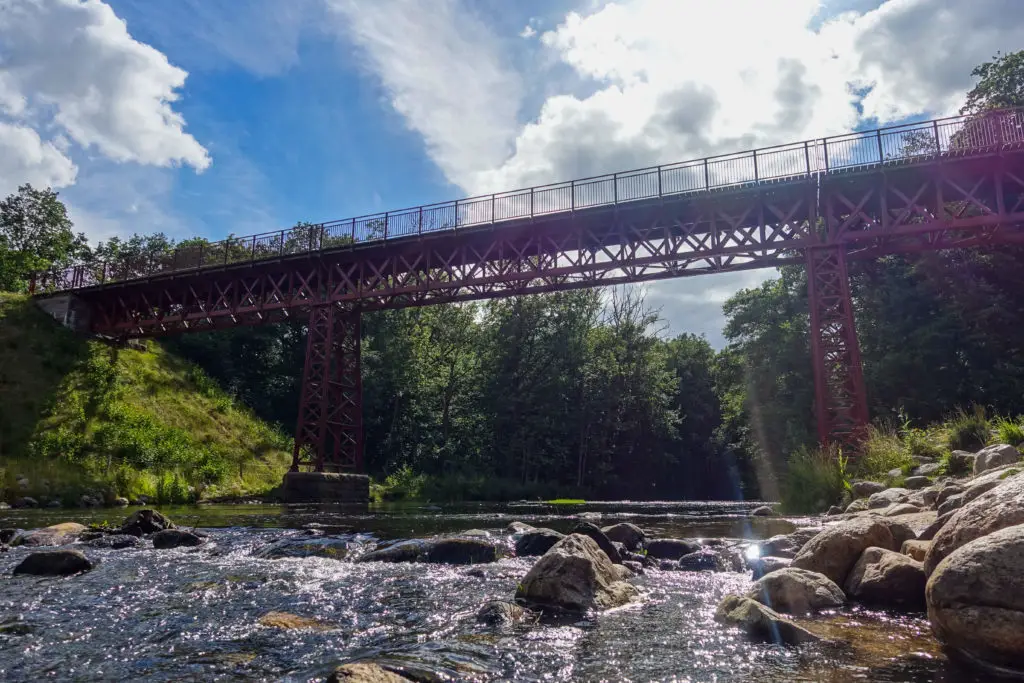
{"x":933,"y":528}
{"x":884,"y":499}
{"x":894,"y":473}
{"x":928,"y":469}
{"x":1001,"y":507}
{"x":288,"y":621}
{"x":763,"y":511}
{"x":501,"y":613}
{"x":913,"y":525}
{"x":916,"y":549}
{"x":629,"y":535}
{"x":767,"y":565}
{"x":796,"y":591}
{"x":146,"y":521}
{"x":901,"y":509}
{"x":951,"y":504}
{"x":704,"y":560}
{"x":87,"y":501}
{"x":306,"y":546}
{"x":975,"y":599}
{"x":25,"y":502}
{"x":7,"y":535}
{"x":115,"y":541}
{"x":834,"y":510}
{"x":916,"y":482}
{"x":988,"y":481}
{"x":537,"y":541}
{"x":671,"y":548}
{"x":518,"y":528}
{"x":835,"y":550}
{"x":461,"y":551}
{"x":761,"y":622}
{"x":575,"y":575}
{"x":54,"y":563}
{"x":960,"y":462}
{"x":364,"y":672}
{"x":859,"y":505}
{"x":995,"y":456}
{"x":887,"y":579}
{"x":863,"y":489}
{"x":603,"y":542}
{"x":120,"y":502}
{"x":176,"y":538}
{"x":58,"y":534}
{"x":946,"y":491}
{"x":632,"y":565}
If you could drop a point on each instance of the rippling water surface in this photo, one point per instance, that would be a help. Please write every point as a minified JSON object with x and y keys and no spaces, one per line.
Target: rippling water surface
{"x":193,"y":614}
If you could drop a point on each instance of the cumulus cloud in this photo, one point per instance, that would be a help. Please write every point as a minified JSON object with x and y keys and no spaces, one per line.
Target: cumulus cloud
{"x":445,"y":73}
{"x":71,"y":64}
{"x":27,"y":158}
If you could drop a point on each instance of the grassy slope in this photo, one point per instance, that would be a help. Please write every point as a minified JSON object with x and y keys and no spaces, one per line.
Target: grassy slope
{"x":87,"y":417}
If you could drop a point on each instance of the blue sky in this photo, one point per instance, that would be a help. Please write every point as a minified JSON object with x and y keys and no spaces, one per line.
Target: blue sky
{"x":210,"y":117}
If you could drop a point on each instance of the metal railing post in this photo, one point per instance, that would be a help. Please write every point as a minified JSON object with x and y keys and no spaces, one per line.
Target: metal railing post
{"x":387,"y":218}
{"x":199,"y":261}
{"x":227,"y":250}
{"x":353,"y":231}
{"x":756,"y":178}
{"x":807,"y":158}
{"x":280,"y":250}
{"x":252,"y":250}
{"x":659,"y":181}
{"x":824,"y":146}
{"x":455,"y":224}
{"x":707,"y":176}
{"x":420,"y":231}
{"x":615,"y":188}
{"x":938,"y":141}
{"x":492,"y":208}
{"x":531,"y":203}
{"x":878,"y":137}
{"x":572,"y":195}
{"x":323,"y":230}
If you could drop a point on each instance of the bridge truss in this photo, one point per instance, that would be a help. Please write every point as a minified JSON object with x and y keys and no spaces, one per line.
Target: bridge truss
{"x":938,"y":185}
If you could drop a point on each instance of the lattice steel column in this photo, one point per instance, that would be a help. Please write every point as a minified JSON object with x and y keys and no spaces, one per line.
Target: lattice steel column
{"x":329,"y":435}
{"x":840,"y":398}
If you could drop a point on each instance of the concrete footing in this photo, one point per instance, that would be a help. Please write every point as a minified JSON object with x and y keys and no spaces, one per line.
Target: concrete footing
{"x":326,"y":487}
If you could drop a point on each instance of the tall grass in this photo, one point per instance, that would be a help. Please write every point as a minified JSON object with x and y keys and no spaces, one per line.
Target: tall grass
{"x":968,"y":430}
{"x":1009,"y":431}
{"x":815,"y":479}
{"x":883,"y":451}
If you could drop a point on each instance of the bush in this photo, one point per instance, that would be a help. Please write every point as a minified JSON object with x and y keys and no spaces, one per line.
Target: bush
{"x":1009,"y":431}
{"x":882,"y":452}
{"x":968,"y":431}
{"x":814,"y":480}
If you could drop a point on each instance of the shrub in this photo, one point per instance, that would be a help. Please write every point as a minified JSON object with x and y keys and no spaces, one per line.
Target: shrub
{"x":814,"y":480}
{"x":1009,"y":431}
{"x":882,"y":452}
{"x":968,"y":431}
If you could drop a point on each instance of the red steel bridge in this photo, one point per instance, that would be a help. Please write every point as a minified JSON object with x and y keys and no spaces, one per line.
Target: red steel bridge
{"x":947,"y":183}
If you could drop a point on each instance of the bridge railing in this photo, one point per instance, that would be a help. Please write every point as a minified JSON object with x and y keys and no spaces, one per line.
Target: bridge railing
{"x":908,"y":143}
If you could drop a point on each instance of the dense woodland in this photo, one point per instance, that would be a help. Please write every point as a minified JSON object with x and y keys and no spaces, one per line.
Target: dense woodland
{"x":585,"y":393}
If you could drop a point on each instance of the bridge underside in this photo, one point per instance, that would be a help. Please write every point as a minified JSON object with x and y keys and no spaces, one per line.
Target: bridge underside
{"x":820,"y":221}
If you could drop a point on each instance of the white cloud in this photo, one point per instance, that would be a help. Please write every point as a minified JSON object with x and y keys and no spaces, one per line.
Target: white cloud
{"x":74,"y":61}
{"x":444,"y":71}
{"x":26,"y":158}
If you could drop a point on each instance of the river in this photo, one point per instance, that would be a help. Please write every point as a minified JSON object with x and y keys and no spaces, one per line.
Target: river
{"x":193,"y":614}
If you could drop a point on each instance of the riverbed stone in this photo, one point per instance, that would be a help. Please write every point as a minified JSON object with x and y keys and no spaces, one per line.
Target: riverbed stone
{"x":537,"y":541}
{"x":115,"y":541}
{"x":1001,"y":507}
{"x":603,"y":542}
{"x":951,"y":504}
{"x":946,"y":491}
{"x":575,"y":575}
{"x":703,"y":560}
{"x":859,"y":505}
{"x":364,"y":672}
{"x":991,"y":457}
{"x":933,"y":528}
{"x":888,"y":497}
{"x":8,"y":535}
{"x":306,"y":546}
{"x":62,"y":562}
{"x":975,"y":599}
{"x":887,"y":579}
{"x":145,"y":521}
{"x":761,"y":622}
{"x":25,"y":502}
{"x":518,"y":528}
{"x":835,"y":550}
{"x":960,"y":463}
{"x":671,"y":548}
{"x":901,"y":509}
{"x":763,"y":511}
{"x":863,"y":489}
{"x":629,"y":535}
{"x":461,"y":551}
{"x":120,"y":502}
{"x":797,"y":591}
{"x":834,"y":510}
{"x":57,"y":534}
{"x":916,"y":549}
{"x":176,"y":538}
{"x":767,"y":565}
{"x":288,"y":621}
{"x":916,"y":482}
{"x":928,"y":469}
{"x":501,"y":613}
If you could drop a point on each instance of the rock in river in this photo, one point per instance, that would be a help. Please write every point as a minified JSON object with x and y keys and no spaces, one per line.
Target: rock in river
{"x":602,"y":541}
{"x":58,"y":534}
{"x":763,"y":511}
{"x":55,"y":563}
{"x":705,"y":560}
{"x":761,"y":622}
{"x":976,"y":599}
{"x":671,"y":548}
{"x":438,"y":551}
{"x":767,"y":564}
{"x":835,"y":550}
{"x":1001,"y":507}
{"x":537,"y":541}
{"x":887,"y":579}
{"x":115,"y":541}
{"x":364,"y":672}
{"x":575,"y":575}
{"x":797,"y":591}
{"x":501,"y":613}
{"x":306,"y":546}
{"x":142,"y":522}
{"x":629,"y":535}
{"x":176,"y":538}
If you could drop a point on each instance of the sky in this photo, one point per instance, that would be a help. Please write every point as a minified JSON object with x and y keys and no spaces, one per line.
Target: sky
{"x":213,"y":117}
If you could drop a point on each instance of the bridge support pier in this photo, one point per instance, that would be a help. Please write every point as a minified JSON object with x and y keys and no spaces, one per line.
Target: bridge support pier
{"x":327,"y":461}
{"x":839,"y":395}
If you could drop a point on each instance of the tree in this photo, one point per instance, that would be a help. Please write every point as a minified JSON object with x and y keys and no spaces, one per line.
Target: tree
{"x":1000,"y":84}
{"x":35,"y":236}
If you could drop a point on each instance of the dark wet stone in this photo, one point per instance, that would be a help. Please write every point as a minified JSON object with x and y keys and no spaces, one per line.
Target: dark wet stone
{"x":537,"y":542}
{"x":671,"y":548}
{"x":703,"y":560}
{"x":599,"y":537}
{"x":7,"y":535}
{"x":176,"y":538}
{"x":629,"y":535}
{"x":56,"y":534}
{"x":761,"y":622}
{"x":55,"y":563}
{"x":501,"y":613}
{"x":461,"y":551}
{"x":518,"y":528}
{"x":142,"y":522}
{"x":364,"y":672}
{"x":402,"y":551}
{"x":634,"y":566}
{"x":26,"y":502}
{"x":115,"y":541}
{"x":306,"y":545}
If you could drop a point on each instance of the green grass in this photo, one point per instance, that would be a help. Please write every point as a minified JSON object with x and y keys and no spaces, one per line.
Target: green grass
{"x":1009,"y":431}
{"x":968,"y":430}
{"x":80,"y":416}
{"x":883,"y":451}
{"x":566,"y":501}
{"x":815,"y":479}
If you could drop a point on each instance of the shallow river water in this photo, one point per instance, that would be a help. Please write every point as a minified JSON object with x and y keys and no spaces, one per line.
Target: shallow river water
{"x":193,"y":614}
